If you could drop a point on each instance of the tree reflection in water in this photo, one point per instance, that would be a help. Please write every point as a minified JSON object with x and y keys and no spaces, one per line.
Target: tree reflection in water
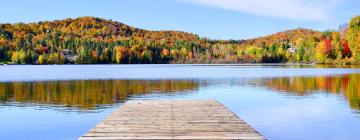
{"x":347,"y":86}
{"x":92,"y":94}
{"x":88,"y":94}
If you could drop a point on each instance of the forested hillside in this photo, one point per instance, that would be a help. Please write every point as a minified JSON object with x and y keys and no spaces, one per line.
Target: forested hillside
{"x":90,"y":40}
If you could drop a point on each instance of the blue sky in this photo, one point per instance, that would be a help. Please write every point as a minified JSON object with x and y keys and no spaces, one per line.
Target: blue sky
{"x":216,"y":19}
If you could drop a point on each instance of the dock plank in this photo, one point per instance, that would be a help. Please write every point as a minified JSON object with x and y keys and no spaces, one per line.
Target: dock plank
{"x":172,"y":119}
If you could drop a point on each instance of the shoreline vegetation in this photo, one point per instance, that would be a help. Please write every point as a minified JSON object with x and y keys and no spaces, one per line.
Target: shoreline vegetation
{"x":91,"y":40}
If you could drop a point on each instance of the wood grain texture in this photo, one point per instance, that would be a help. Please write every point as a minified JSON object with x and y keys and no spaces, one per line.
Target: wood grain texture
{"x":172,"y":119}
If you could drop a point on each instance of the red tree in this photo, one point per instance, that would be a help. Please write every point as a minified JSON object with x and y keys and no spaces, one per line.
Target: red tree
{"x":327,"y":48}
{"x":346,"y":52}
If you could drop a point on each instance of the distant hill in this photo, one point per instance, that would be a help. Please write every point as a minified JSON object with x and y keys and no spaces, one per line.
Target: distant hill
{"x":289,"y":36}
{"x":90,"y":27}
{"x":88,"y":40}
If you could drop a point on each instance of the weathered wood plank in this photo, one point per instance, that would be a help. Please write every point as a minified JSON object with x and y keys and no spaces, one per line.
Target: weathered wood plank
{"x":172,"y":119}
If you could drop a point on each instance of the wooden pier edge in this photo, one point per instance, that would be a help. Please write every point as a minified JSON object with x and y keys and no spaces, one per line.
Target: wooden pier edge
{"x":172,"y":119}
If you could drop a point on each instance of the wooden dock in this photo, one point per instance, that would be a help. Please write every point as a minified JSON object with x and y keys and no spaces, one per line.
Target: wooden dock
{"x":172,"y":119}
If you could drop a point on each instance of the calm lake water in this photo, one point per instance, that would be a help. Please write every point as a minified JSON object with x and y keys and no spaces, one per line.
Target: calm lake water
{"x":61,"y":102}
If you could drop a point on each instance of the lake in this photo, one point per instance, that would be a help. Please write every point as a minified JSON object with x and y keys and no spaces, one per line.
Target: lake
{"x":62,"y":102}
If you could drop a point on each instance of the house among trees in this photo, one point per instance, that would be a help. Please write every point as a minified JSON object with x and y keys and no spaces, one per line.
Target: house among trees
{"x":69,"y":57}
{"x":292,"y":49}
{"x":66,"y":52}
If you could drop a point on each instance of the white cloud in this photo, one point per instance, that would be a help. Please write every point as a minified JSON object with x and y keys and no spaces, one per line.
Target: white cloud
{"x":313,"y":10}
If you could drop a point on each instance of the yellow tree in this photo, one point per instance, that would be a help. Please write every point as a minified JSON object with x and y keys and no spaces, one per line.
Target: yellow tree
{"x":14,"y":57}
{"x":353,"y":37}
{"x":320,"y":49}
{"x":121,"y":53}
{"x":41,"y":59}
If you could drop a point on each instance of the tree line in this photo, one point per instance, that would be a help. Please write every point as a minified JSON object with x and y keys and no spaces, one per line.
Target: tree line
{"x":90,"y":40}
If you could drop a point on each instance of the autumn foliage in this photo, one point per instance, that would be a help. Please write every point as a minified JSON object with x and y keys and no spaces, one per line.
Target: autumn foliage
{"x":90,"y":40}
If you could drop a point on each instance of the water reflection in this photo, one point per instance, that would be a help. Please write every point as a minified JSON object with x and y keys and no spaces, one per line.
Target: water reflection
{"x":88,"y":94}
{"x":93,"y":94}
{"x":346,"y":86}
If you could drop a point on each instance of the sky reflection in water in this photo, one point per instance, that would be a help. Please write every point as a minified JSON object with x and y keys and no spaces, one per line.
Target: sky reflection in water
{"x":298,"y":107}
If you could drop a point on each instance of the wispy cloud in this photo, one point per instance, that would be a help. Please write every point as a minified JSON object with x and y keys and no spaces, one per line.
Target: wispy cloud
{"x":313,"y":10}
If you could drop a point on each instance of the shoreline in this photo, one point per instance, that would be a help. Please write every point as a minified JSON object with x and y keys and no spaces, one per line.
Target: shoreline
{"x":210,"y":64}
